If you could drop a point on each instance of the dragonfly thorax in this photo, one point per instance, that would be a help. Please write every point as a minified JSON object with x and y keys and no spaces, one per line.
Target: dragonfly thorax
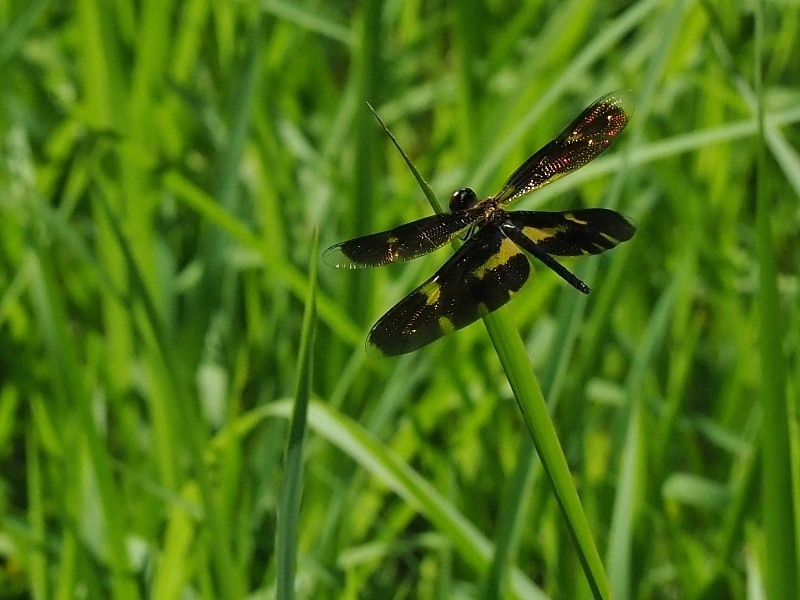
{"x":463,"y":198}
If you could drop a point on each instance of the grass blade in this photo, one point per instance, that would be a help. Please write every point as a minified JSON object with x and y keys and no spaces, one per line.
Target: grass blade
{"x":511,"y":352}
{"x":426,"y":189}
{"x":291,"y":489}
{"x":778,"y":508}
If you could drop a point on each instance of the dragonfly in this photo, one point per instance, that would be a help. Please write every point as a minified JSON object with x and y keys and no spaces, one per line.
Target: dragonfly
{"x":492,"y":264}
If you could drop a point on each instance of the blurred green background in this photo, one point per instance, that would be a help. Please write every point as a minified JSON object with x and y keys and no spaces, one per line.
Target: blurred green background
{"x":163,"y":166}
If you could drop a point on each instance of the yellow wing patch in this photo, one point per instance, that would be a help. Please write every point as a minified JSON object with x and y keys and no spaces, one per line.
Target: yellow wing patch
{"x":506,"y":250}
{"x":574,"y":219}
{"x":537,"y":234}
{"x":432,"y":291}
{"x":446,"y":325}
{"x":613,"y":240}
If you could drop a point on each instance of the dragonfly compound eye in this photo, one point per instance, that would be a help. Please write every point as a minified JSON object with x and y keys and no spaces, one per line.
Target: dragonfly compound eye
{"x":463,"y":198}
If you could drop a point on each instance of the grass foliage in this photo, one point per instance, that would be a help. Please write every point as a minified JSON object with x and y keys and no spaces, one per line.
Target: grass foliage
{"x":173,"y":426}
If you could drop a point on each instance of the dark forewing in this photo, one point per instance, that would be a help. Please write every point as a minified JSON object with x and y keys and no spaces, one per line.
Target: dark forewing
{"x":573,"y":232}
{"x":401,"y":243}
{"x":582,"y":141}
{"x":479,"y":278}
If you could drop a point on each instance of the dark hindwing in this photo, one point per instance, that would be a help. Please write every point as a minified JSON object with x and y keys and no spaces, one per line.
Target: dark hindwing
{"x":573,"y":232}
{"x":479,"y":278}
{"x":401,"y":243}
{"x":582,"y":141}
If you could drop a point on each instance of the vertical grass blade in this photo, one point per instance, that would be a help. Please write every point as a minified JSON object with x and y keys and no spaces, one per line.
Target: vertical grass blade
{"x":426,"y":189}
{"x":514,"y":359}
{"x":779,"y":527}
{"x":292,"y":486}
{"x":367,"y":55}
{"x":245,"y":95}
{"x":627,"y":502}
{"x":516,"y":497}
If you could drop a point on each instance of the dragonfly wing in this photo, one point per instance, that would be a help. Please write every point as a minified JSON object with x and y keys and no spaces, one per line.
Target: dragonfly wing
{"x":573,"y":232}
{"x":401,"y":243}
{"x":479,"y":278}
{"x":582,"y":141}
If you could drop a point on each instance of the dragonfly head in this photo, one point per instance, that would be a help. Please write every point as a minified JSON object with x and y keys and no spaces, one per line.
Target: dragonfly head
{"x":463,"y":198}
